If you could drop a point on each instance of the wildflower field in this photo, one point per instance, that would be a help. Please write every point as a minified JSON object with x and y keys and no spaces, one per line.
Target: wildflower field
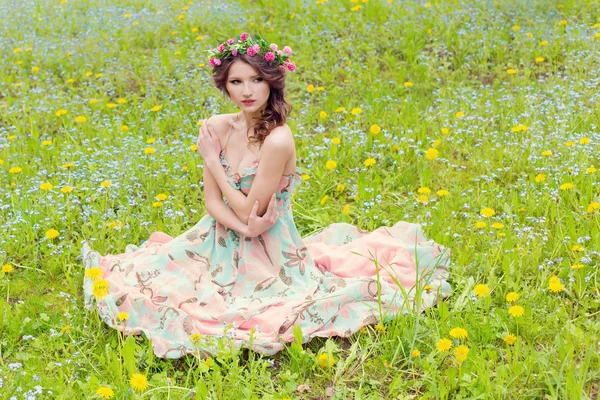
{"x":477,"y":119}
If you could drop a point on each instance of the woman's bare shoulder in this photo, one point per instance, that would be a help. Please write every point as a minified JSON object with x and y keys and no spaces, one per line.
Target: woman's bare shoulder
{"x":220,"y":123}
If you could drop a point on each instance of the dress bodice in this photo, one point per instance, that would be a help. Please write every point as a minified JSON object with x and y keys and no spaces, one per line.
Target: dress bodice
{"x":243,"y":179}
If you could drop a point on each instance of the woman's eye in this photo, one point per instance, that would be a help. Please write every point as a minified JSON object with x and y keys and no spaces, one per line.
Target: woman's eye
{"x":257,"y":79}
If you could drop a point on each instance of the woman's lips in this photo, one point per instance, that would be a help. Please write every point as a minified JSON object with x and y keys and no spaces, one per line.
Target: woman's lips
{"x":248,"y":102}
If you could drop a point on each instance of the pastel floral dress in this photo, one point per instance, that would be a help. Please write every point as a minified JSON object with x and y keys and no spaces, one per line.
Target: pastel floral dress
{"x":187,"y":293}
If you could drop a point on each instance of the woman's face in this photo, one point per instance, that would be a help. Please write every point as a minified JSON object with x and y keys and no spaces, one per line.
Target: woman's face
{"x":244,"y":83}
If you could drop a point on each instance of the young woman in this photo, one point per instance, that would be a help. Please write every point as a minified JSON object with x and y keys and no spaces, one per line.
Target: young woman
{"x":244,"y":270}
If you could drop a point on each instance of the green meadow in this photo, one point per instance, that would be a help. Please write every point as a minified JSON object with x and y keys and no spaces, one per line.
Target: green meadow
{"x":477,"y":119}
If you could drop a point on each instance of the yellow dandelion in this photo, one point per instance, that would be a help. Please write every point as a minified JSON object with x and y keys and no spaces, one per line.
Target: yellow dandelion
{"x":584,"y":140}
{"x":481,"y":290}
{"x":511,"y":297}
{"x":149,"y":150}
{"x":157,"y":204}
{"x":510,"y":339}
{"x":52,"y":234}
{"x":336,"y":140}
{"x":94,"y":273}
{"x":325,"y":360}
{"x":593,"y":206}
{"x":100,"y":288}
{"x":123,"y":316}
{"x":161,"y":197}
{"x":124,"y":128}
{"x":408,"y":84}
{"x":324,"y":199}
{"x":105,"y":183}
{"x":65,"y":329}
{"x":442,"y":193}
{"x":445,"y":131}
{"x":111,"y":105}
{"x":591,"y":170}
{"x":431,"y":154}
{"x":577,"y":247}
{"x":356,"y":111}
{"x":322,"y":115}
{"x":519,"y":128}
{"x":346,"y":209}
{"x":497,"y":225}
{"x":487,"y":212}
{"x":46,"y":186}
{"x":330,"y":164}
{"x":461,"y":352}
{"x":459,"y":333}
{"x":310,"y":88}
{"x":155,"y":108}
{"x":577,"y":266}
{"x":511,"y":71}
{"x":15,"y":170}
{"x":547,"y":153}
{"x":122,"y":100}
{"x":540,"y":177}
{"x":105,"y":392}
{"x":138,"y":382}
{"x":60,"y":112}
{"x":305,"y":177}
{"x":375,"y":129}
{"x":340,"y":109}
{"x":7,"y":268}
{"x":415,"y":353}
{"x":539,"y":59}
{"x":459,"y":114}
{"x":195,"y":338}
{"x":555,"y":285}
{"x":340,"y":188}
{"x":424,"y":190}
{"x":370,"y":161}
{"x":516,"y":311}
{"x":93,"y":101}
{"x":80,"y":119}
{"x":443,"y":345}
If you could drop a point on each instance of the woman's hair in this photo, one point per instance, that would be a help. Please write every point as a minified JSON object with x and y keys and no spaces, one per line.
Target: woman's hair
{"x":277,"y":109}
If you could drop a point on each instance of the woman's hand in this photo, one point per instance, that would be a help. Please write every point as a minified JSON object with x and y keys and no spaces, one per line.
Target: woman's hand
{"x":208,"y":144}
{"x":256,"y":224}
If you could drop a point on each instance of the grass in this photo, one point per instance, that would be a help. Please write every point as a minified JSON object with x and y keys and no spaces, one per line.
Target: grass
{"x":505,"y":92}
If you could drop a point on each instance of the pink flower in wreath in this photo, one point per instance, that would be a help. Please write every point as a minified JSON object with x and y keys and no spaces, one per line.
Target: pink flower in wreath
{"x":282,"y":68}
{"x":234,"y":52}
{"x":253,"y":50}
{"x":221,"y":47}
{"x":243,"y":36}
{"x":269,"y":56}
{"x":287,"y":50}
{"x":273,"y":46}
{"x":291,"y":66}
{"x":229,"y":41}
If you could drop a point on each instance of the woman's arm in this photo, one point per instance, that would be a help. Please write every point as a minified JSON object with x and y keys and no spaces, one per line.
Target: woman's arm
{"x":279,"y":147}
{"x":216,"y":207}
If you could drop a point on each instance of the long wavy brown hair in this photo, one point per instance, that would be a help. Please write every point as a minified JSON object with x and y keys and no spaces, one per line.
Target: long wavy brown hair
{"x":277,"y":108}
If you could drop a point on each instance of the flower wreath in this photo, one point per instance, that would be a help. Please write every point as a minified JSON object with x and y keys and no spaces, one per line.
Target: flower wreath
{"x":245,"y":44}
